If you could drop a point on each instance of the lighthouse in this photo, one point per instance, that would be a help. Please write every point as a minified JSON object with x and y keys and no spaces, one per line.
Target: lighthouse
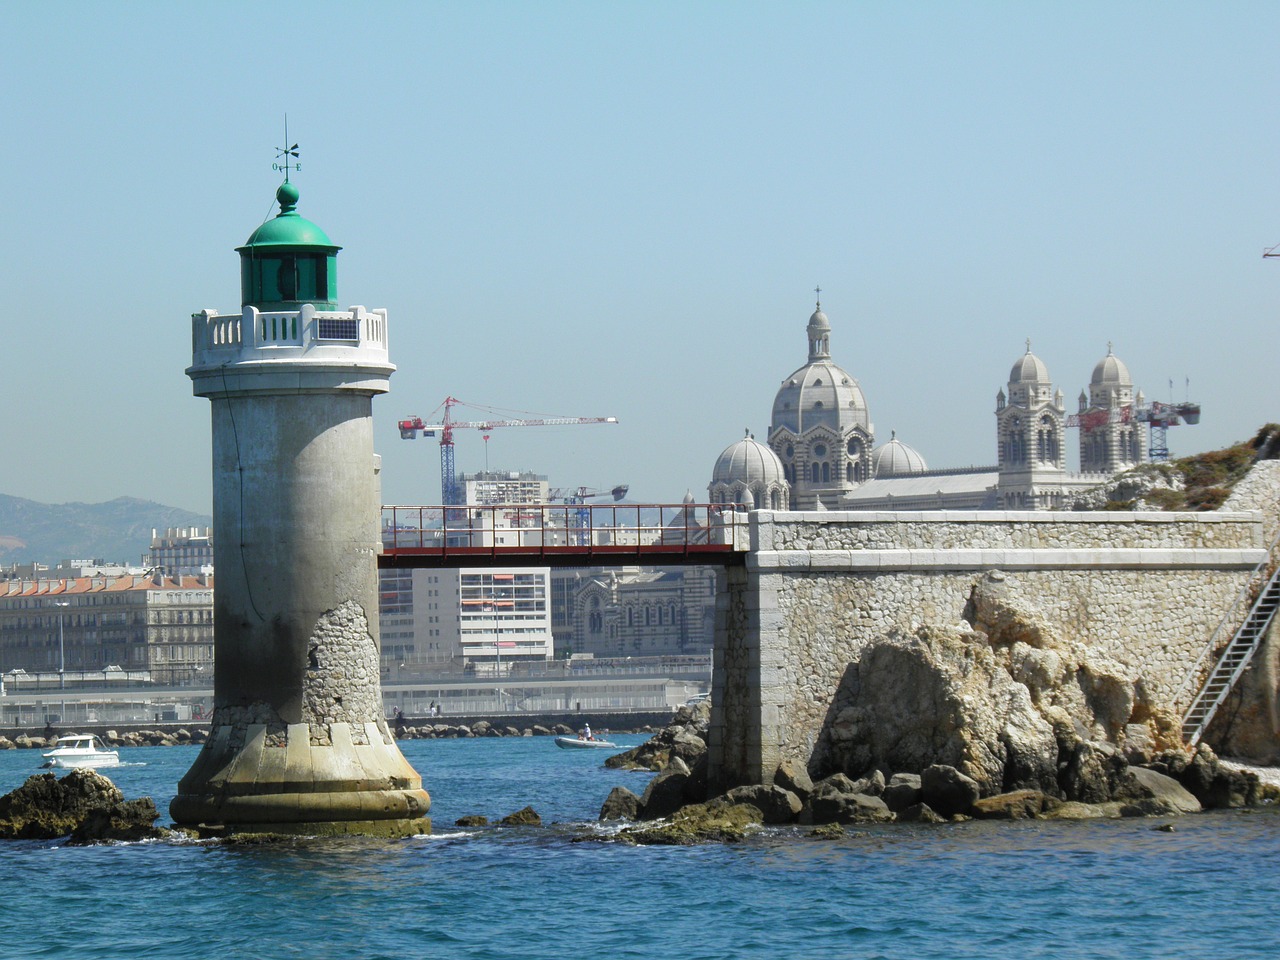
{"x":298,"y":742}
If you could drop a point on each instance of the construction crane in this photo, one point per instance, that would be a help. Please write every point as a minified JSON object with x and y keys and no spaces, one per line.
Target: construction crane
{"x":579,"y":496}
{"x":413,"y":427}
{"x":1158,"y":417}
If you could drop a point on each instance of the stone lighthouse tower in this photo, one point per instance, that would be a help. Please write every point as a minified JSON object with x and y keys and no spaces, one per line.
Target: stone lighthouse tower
{"x":298,"y":742}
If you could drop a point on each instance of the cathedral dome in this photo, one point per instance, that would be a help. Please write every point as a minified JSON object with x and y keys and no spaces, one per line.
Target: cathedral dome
{"x":1029,"y":369}
{"x":1111,"y":372}
{"x":896,"y":459}
{"x":820,"y":394}
{"x":748,"y":461}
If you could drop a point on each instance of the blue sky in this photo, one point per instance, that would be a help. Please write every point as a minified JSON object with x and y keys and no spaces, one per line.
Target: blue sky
{"x":621,"y":209}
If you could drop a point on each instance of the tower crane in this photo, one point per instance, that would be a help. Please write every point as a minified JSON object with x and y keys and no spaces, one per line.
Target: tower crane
{"x":1158,"y":417}
{"x":413,"y":427}
{"x":578,"y":496}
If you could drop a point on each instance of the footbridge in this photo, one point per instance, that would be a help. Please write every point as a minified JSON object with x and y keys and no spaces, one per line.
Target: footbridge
{"x":549,"y":535}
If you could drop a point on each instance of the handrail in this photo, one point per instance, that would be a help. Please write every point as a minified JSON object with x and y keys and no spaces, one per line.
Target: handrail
{"x":1257,"y":579}
{"x":559,"y":529}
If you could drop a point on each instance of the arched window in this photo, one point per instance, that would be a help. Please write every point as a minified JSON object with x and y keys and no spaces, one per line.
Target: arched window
{"x":826,"y":472}
{"x":813,"y":473}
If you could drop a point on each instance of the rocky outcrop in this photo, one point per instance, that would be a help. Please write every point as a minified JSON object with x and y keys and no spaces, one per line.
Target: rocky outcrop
{"x":83,"y":805}
{"x":621,"y":804}
{"x":716,"y":821}
{"x":1133,"y":488}
{"x":525,"y":817}
{"x":1002,"y":699}
{"x":684,"y":737}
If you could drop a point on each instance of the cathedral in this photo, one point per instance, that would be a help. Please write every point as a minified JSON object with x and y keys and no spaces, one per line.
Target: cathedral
{"x":820,"y":451}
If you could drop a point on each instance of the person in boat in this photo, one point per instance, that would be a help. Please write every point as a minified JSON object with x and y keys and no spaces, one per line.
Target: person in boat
{"x":585,"y":732}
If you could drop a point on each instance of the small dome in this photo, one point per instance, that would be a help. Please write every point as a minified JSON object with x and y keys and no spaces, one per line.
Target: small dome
{"x":819,"y":321}
{"x":1029,"y":369}
{"x":287,"y":228}
{"x":748,"y":461}
{"x":1111,"y":372}
{"x":896,"y":459}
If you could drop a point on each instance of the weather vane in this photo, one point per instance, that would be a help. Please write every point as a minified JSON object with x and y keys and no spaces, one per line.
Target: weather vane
{"x":286,"y":152}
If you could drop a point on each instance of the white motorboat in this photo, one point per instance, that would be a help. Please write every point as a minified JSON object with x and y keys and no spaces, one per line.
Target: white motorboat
{"x":581,"y":743}
{"x":80,"y":750}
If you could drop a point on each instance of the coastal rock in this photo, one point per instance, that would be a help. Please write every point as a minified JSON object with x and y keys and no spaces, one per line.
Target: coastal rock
{"x":713,"y":822}
{"x":902,"y":791}
{"x":1074,"y":810}
{"x":525,"y":817}
{"x":1089,"y":772}
{"x":1015,"y":805}
{"x":46,"y":808}
{"x":621,"y":804}
{"x":663,"y":796}
{"x":941,"y":696}
{"x":1153,"y":794}
{"x":128,"y":821}
{"x":472,"y":820}
{"x":791,"y":776}
{"x":684,"y":737}
{"x":834,"y":800}
{"x":947,"y":790}
{"x":775,"y":804}
{"x":920,"y":813}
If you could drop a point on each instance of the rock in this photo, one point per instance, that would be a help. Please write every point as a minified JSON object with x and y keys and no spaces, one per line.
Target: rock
{"x":714,"y":822}
{"x":525,"y":817}
{"x":920,"y":813}
{"x":472,"y":820}
{"x":1074,"y":810}
{"x":621,"y":804}
{"x":793,"y":777}
{"x":941,"y":695}
{"x":131,"y":820}
{"x":828,"y":831}
{"x":1153,"y":794}
{"x":45,"y":808}
{"x":1089,"y":773}
{"x":481,"y":728}
{"x":947,"y":790}
{"x":541,"y":731}
{"x":663,"y":796}
{"x":902,"y":791}
{"x":834,"y":801}
{"x":775,"y":804}
{"x":1138,"y":746}
{"x":1232,"y":788}
{"x":1015,"y":805}
{"x":872,"y":786}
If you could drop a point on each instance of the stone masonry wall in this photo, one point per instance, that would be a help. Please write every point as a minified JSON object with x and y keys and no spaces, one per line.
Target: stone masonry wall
{"x":1144,"y":589}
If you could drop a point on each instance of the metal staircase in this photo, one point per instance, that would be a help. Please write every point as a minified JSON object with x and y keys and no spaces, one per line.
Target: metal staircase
{"x":1235,"y":657}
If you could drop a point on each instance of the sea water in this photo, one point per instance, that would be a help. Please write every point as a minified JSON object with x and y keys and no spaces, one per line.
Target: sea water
{"x":1100,"y":889}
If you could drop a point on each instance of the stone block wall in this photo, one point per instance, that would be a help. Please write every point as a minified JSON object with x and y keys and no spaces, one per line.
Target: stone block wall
{"x":1144,"y":589}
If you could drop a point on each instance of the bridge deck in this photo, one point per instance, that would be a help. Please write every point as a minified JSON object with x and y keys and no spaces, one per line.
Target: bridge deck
{"x":550,"y":535}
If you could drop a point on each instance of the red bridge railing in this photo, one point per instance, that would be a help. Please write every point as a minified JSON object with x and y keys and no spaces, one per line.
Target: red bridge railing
{"x":562,"y":534}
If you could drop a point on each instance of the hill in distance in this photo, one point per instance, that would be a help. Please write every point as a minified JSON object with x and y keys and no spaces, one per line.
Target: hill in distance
{"x":118,"y":531}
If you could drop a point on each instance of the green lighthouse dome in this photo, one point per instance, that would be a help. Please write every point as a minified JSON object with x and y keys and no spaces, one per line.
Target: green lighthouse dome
{"x":288,"y":261}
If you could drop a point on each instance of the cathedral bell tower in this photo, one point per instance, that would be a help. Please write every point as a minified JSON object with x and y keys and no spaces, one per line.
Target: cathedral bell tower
{"x":298,"y":742}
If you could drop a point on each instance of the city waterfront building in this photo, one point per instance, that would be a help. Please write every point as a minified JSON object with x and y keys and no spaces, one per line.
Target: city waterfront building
{"x":158,"y":625}
{"x":182,"y":551}
{"x":642,"y":612}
